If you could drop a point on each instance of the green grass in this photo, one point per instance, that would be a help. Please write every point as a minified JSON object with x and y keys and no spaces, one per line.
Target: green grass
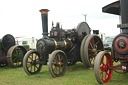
{"x":75,"y":75}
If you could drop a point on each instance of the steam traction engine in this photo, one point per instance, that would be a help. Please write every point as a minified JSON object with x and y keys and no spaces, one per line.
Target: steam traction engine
{"x":64,"y":47}
{"x":104,"y":66}
{"x":10,"y":53}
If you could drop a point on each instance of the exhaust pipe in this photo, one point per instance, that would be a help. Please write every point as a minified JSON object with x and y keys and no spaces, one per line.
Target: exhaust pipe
{"x":124,"y":11}
{"x":124,"y":15}
{"x":44,"y":15}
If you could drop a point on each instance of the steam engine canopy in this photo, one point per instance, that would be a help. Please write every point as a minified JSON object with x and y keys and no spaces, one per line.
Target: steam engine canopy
{"x":120,"y":44}
{"x":82,"y":30}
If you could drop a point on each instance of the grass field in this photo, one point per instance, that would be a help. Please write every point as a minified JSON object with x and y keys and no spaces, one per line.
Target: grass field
{"x":75,"y":75}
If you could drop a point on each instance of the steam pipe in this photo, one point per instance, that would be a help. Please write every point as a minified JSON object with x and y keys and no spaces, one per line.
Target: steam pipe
{"x":44,"y":16}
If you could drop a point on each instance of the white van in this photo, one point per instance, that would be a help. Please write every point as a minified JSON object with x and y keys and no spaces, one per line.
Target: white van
{"x":30,"y":41}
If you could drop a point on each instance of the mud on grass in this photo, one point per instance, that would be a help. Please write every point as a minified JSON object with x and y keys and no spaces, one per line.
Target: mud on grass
{"x":75,"y":75}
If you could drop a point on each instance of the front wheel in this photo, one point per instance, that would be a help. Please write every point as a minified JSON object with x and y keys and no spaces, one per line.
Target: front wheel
{"x":31,"y":62}
{"x":102,"y":67}
{"x":57,"y":63}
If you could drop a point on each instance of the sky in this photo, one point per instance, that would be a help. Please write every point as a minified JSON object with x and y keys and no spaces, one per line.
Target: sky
{"x":22,"y":18}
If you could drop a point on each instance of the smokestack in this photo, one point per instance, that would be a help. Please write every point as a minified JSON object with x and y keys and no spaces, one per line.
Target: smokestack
{"x":44,"y":15}
{"x":124,"y":15}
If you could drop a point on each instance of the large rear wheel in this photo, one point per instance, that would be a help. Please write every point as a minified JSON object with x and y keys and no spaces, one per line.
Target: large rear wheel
{"x":82,"y":53}
{"x":102,"y":67}
{"x":93,"y":45}
{"x":15,"y":56}
{"x":57,"y":63}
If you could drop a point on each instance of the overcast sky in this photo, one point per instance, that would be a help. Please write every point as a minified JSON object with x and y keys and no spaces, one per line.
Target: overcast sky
{"x":22,"y":17}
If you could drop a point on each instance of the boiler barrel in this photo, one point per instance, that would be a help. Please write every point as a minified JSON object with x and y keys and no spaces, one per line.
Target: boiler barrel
{"x":49,"y":45}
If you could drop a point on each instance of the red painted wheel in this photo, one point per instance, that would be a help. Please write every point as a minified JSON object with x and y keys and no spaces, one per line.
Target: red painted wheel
{"x":102,"y":65}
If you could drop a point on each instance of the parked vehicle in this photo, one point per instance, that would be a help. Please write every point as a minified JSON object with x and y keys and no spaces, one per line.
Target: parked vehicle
{"x":65,"y":47}
{"x":30,"y":41}
{"x":117,"y":61}
{"x":11,"y":53}
{"x":108,"y":43}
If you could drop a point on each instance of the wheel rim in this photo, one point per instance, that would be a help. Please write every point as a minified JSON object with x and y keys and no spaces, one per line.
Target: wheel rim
{"x":105,"y":72}
{"x":93,"y":46}
{"x":102,"y":67}
{"x":57,"y":64}
{"x":82,"y":54}
{"x":30,"y":63}
{"x":15,"y":56}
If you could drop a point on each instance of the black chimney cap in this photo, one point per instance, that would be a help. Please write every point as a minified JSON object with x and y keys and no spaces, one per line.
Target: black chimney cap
{"x":44,"y":11}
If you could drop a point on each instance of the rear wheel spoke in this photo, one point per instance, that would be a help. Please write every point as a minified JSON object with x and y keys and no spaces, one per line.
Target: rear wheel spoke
{"x":91,"y":45}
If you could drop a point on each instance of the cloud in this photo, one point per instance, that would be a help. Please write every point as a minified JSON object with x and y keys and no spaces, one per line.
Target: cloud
{"x":22,"y":17}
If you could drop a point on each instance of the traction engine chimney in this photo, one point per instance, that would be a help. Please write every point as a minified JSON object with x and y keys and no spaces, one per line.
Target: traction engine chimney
{"x":44,"y":15}
{"x":124,"y":16}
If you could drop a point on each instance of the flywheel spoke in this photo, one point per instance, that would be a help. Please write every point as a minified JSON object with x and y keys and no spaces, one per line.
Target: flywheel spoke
{"x":91,"y":45}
